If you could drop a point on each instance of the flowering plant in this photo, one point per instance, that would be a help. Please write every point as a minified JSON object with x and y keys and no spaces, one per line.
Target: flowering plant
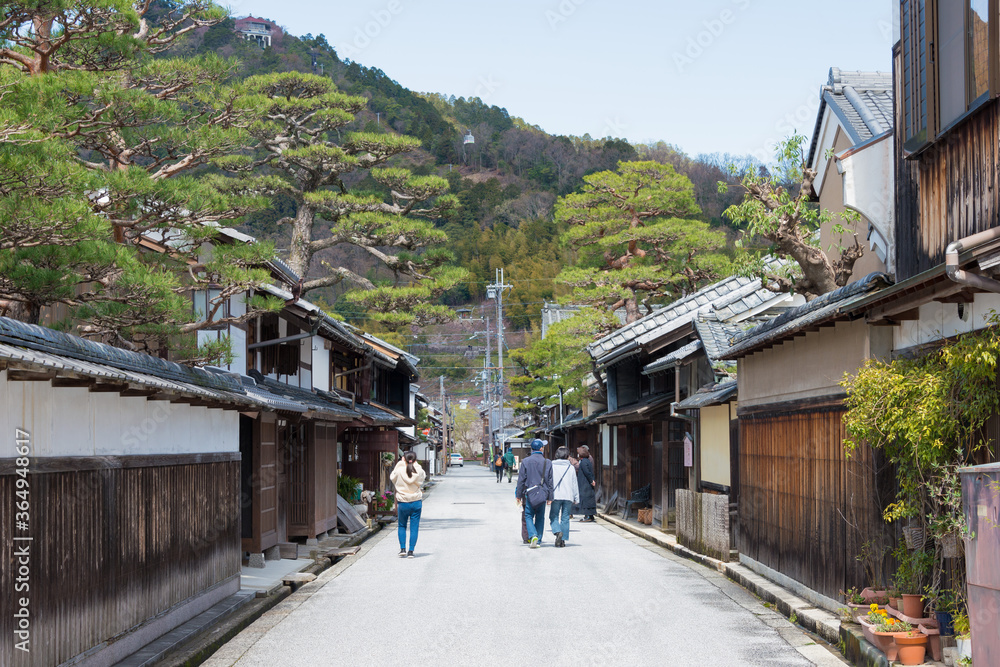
{"x":384,"y":502}
{"x":883,"y":622}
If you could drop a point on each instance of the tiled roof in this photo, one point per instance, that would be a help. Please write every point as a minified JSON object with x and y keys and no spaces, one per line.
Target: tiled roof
{"x":378,"y":416}
{"x":717,"y":336}
{"x":639,"y":410}
{"x":56,"y":349}
{"x":818,"y":311}
{"x":669,"y":361}
{"x":716,"y":394}
{"x":327,"y":406}
{"x":734,"y":297}
{"x":862,"y":101}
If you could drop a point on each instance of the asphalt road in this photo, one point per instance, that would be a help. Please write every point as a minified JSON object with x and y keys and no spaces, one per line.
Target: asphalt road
{"x":475,"y":595}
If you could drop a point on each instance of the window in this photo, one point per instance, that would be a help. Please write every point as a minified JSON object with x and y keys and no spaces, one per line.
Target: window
{"x":947,"y":64}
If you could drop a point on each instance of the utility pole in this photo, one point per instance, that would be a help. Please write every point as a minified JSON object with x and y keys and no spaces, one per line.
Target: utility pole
{"x":495,"y":291}
{"x":444,"y":430}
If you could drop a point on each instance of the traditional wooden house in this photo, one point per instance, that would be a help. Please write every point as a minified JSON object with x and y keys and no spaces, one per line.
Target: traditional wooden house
{"x":801,"y":502}
{"x":851,"y":152}
{"x":131,"y":493}
{"x":353,"y":393}
{"x":653,"y":363}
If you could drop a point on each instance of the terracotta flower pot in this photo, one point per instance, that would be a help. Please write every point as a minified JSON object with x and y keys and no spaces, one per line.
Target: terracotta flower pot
{"x":871,"y":595}
{"x":886,"y":642}
{"x":913,"y":605}
{"x":912,"y":647}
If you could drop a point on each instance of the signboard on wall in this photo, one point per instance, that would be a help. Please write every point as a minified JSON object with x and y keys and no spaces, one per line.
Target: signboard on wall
{"x":688,"y":451}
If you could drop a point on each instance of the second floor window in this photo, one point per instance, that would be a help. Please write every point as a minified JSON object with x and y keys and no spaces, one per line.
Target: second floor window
{"x":947,"y":65}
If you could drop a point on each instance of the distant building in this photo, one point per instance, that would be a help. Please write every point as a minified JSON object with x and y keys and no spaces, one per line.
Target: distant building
{"x":264,"y":31}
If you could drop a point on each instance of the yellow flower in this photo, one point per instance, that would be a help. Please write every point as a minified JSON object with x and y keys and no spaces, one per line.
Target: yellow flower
{"x":874,"y":607}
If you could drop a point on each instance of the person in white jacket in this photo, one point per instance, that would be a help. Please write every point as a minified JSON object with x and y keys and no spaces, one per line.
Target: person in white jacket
{"x":565,"y":494}
{"x":408,"y":477}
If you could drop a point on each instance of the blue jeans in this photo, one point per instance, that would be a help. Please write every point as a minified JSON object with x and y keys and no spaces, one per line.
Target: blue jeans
{"x":560,"y":524}
{"x":409,"y":511}
{"x":534,"y":522}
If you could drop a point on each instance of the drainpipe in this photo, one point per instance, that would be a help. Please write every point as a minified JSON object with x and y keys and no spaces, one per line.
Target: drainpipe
{"x":962,"y":277}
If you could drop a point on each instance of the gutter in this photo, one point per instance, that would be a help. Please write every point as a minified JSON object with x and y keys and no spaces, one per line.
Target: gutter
{"x":952,"y":266}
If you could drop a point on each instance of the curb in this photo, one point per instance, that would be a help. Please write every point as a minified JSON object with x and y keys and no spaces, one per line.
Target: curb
{"x":209,"y":639}
{"x":852,"y":644}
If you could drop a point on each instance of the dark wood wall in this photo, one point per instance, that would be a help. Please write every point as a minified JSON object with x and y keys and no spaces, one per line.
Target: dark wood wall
{"x":805,"y":510}
{"x":365,"y":464}
{"x":949,"y":191}
{"x":117,"y":545}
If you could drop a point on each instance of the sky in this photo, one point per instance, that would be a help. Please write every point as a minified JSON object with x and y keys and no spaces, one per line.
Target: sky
{"x":709,"y":76}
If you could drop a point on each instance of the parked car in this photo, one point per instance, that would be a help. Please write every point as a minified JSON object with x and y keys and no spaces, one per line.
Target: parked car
{"x":456,"y":459}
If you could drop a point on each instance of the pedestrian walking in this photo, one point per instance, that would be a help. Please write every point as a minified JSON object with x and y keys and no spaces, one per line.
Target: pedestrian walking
{"x":508,"y":463}
{"x":534,"y":491}
{"x":408,"y":477}
{"x":587,"y":483}
{"x":565,"y":493}
{"x":498,"y":467}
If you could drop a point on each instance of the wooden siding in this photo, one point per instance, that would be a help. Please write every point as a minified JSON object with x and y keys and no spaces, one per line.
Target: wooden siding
{"x":369,"y":445}
{"x":947,"y":192}
{"x":259,"y":487}
{"x":120,"y":545}
{"x":804,"y":508}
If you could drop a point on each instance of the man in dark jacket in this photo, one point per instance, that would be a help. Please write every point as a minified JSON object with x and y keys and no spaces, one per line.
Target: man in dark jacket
{"x":534,"y":481}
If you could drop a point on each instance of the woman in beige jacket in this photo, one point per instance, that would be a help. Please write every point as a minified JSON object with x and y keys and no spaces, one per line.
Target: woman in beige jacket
{"x":408,"y":477}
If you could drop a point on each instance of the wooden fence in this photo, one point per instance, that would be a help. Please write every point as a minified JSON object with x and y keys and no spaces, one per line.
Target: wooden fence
{"x":806,"y":510}
{"x":115,"y":544}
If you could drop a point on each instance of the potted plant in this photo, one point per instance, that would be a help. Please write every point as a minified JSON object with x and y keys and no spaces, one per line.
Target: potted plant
{"x":885,"y":628}
{"x":912,"y":647}
{"x":914,"y":567}
{"x":944,"y":602}
{"x":963,"y":633}
{"x":894,"y":599}
{"x":856,"y":602}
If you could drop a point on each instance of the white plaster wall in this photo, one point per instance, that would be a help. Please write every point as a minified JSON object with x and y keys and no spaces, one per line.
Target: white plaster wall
{"x":320,"y":364}
{"x":941,"y":320}
{"x":72,"y":421}
{"x":810,"y":366}
{"x":869,"y":189}
{"x":715,"y":444}
{"x":238,"y":337}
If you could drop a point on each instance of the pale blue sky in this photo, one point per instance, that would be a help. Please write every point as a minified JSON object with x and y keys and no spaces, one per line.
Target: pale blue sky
{"x":709,"y":76}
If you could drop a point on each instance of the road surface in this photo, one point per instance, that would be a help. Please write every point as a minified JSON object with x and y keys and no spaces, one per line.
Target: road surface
{"x":475,"y":595}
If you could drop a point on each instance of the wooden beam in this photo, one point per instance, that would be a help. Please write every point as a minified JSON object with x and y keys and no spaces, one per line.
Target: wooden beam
{"x":62,"y":381}
{"x":893,"y":320}
{"x":136,"y":391}
{"x":19,"y":375}
{"x":907,"y":302}
{"x":108,"y":387}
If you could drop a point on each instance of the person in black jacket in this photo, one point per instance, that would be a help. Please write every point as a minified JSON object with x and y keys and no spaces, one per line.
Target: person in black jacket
{"x":585,"y":479}
{"x":534,"y":490}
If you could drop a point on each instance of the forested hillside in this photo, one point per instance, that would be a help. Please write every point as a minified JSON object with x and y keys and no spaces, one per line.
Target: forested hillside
{"x":506,"y":182}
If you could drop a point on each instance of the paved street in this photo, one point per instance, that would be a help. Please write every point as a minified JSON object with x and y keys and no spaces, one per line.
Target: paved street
{"x":476,"y":596}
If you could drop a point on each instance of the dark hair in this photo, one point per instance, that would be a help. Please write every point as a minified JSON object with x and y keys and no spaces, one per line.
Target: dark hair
{"x":562,"y":453}
{"x":410,"y":457}
{"x":583,"y":451}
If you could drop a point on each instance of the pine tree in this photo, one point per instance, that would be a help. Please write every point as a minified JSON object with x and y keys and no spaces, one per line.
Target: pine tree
{"x":123,"y":133}
{"x":301,"y":132}
{"x":638,"y":239}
